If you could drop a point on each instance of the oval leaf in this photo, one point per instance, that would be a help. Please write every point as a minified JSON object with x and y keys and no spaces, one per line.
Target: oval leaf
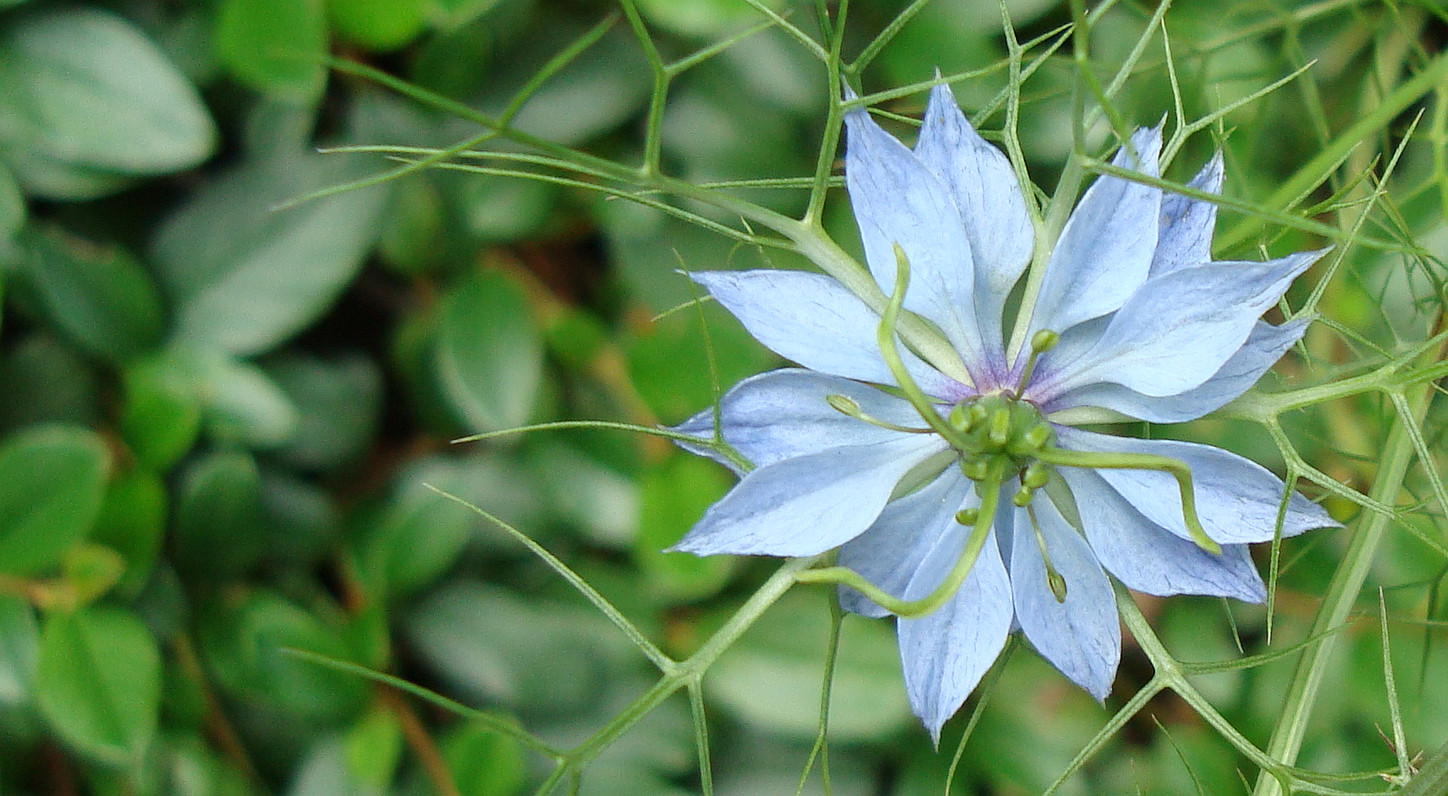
{"x":489,"y":355}
{"x":52,"y":481}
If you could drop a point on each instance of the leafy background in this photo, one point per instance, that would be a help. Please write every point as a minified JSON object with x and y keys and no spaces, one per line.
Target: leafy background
{"x":225,"y":416}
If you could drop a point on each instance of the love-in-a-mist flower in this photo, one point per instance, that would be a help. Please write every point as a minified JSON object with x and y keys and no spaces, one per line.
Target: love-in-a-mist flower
{"x":957,"y":485}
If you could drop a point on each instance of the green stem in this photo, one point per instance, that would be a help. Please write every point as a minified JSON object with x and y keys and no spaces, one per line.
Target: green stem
{"x":1096,"y":460}
{"x":990,"y":490}
{"x":1342,"y":593}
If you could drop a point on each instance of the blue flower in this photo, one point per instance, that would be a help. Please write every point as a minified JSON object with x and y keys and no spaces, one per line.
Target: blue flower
{"x":966,"y":477}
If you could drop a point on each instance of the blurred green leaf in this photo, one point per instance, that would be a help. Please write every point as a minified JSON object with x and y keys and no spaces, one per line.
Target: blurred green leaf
{"x":244,"y":643}
{"x":132,"y":522}
{"x":669,"y":361}
{"x":12,"y":208}
{"x":673,"y":496}
{"x":704,"y":18}
{"x":216,"y":531}
{"x":489,"y":353}
{"x":591,"y":495}
{"x":278,"y":47}
{"x":19,"y":646}
{"x":483,"y":761}
{"x":374,"y":748}
{"x":413,"y":535}
{"x":300,"y":520}
{"x":240,"y":402}
{"x":773,"y":675}
{"x":99,"y":297}
{"x":52,"y":481}
{"x":46,"y":382}
{"x":98,"y":681}
{"x":337,"y":401}
{"x":62,"y":69}
{"x":326,"y":771}
{"x":379,"y":25}
{"x":160,"y":411}
{"x":499,"y":209}
{"x":245,"y":275}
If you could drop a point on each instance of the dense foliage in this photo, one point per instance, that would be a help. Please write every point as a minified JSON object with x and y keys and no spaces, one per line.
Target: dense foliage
{"x":228,"y":394}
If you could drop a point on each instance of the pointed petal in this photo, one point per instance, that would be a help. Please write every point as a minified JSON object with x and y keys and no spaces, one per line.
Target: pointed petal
{"x":1182,"y":327}
{"x":945,"y":654}
{"x":784,"y":413}
{"x":813,"y":320}
{"x":1187,"y":224}
{"x":1147,"y":557}
{"x":1265,"y":345}
{"x":898,"y":200}
{"x":1081,"y":636}
{"x":809,"y":504}
{"x":908,"y":530}
{"x":1106,"y":247}
{"x":984,"y":187}
{"x":1237,"y":499}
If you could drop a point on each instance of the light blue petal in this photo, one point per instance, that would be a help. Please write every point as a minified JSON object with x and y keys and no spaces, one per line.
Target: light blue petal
{"x":813,"y":320}
{"x":1265,"y":345}
{"x":1082,"y":635}
{"x":1106,"y":247}
{"x":898,"y":200}
{"x":1180,"y":328}
{"x":984,"y":187}
{"x":1185,"y":238}
{"x":944,"y":654}
{"x":1147,"y":557}
{"x":809,"y":504}
{"x":783,"y":414}
{"x":908,"y":530}
{"x":1237,"y":499}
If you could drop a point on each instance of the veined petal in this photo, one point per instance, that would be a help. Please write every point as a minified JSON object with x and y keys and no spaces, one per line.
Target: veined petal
{"x":1237,"y":499}
{"x":809,"y":504}
{"x":813,"y":320}
{"x":944,"y":654}
{"x":1106,"y":247}
{"x":1180,"y":328}
{"x":1149,"y":558}
{"x":908,"y":532}
{"x":1081,"y":635}
{"x":984,"y":187}
{"x":1265,"y":345}
{"x":897,"y":200}
{"x":1185,"y":238}
{"x":783,"y":414}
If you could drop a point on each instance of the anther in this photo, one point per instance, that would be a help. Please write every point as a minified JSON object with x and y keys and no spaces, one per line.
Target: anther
{"x":1036,"y":475}
{"x":849,"y":407}
{"x":1000,"y":427}
{"x":1054,"y":580}
{"x":1041,"y":342}
{"x":1036,"y":436}
{"x":975,"y":469}
{"x":1023,"y":496}
{"x":967,"y":517}
{"x":962,"y":419}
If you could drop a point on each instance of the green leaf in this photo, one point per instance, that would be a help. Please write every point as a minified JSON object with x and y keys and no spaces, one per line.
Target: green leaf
{"x":415,"y":534}
{"x":52,"y":481}
{"x":99,"y":297}
{"x":484,"y":762}
{"x":245,"y":275}
{"x":278,"y":47}
{"x":673,"y":496}
{"x":379,"y":24}
{"x":772,"y":677}
{"x":98,"y":682}
{"x":374,"y":747}
{"x":19,"y":646}
{"x":245,"y":641}
{"x":46,"y":382}
{"x":704,"y":18}
{"x":489,"y":353}
{"x":161,"y":411}
{"x":133,"y":523}
{"x":338,"y":402}
{"x":12,"y":208}
{"x":62,"y":70}
{"x":218,"y":511}
{"x":241,"y":403}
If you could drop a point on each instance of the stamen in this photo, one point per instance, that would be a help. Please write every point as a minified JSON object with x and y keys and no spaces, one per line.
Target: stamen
{"x":1000,"y":427}
{"x":967,"y":517}
{"x":1041,"y":342}
{"x":849,"y":407}
{"x":1095,"y":460}
{"x":1053,"y":577}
